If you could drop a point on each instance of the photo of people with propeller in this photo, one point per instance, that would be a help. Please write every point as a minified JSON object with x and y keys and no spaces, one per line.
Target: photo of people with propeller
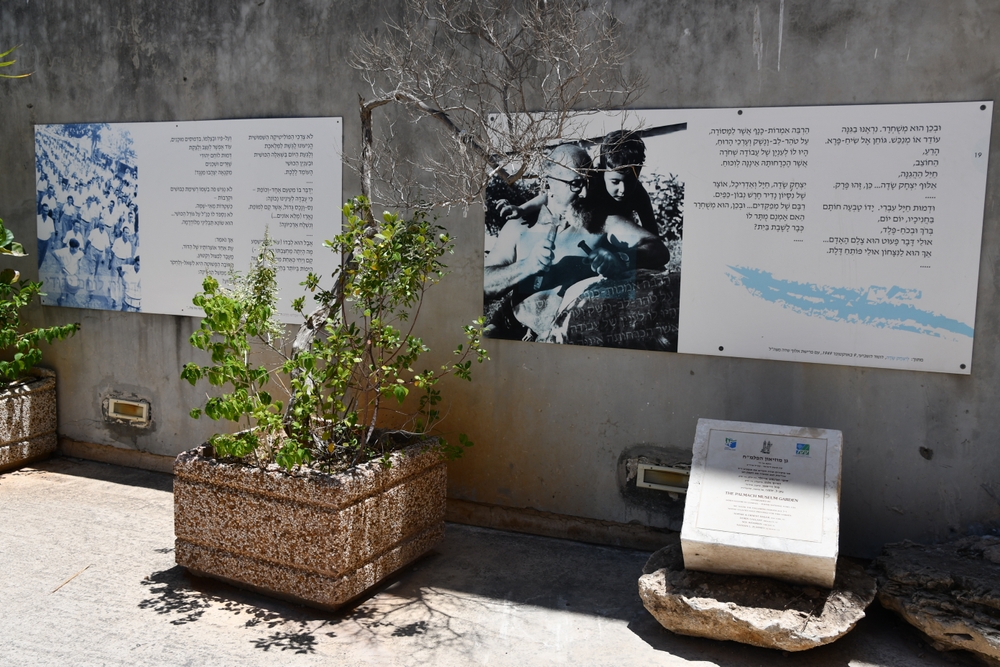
{"x":587,"y":252}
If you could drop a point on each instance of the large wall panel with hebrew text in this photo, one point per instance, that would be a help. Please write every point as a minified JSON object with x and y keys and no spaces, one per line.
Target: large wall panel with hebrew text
{"x":841,"y":234}
{"x":134,"y":216}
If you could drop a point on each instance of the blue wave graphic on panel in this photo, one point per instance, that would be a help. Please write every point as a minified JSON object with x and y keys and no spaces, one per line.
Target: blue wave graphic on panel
{"x":885,"y":308}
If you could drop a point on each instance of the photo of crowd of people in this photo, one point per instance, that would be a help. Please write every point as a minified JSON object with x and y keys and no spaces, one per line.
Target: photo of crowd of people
{"x":588,"y":251}
{"x":88,"y":217}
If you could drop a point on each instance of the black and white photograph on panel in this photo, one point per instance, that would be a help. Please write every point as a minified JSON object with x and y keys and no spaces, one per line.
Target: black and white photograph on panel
{"x":811,"y":234}
{"x":88,"y":216}
{"x":210,"y":190}
{"x":587,"y":251}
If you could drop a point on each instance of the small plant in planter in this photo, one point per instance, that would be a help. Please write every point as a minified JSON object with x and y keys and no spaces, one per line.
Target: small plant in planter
{"x":15,"y":295}
{"x":314,"y":499}
{"x":339,"y":485}
{"x":27,"y":394}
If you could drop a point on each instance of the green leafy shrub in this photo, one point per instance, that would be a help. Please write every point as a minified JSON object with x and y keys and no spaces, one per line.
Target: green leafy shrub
{"x":351,"y":368}
{"x":8,"y":63}
{"x":21,"y":346}
{"x":233,"y":318}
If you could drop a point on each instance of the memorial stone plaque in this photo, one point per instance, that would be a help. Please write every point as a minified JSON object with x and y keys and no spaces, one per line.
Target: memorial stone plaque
{"x":764,"y":500}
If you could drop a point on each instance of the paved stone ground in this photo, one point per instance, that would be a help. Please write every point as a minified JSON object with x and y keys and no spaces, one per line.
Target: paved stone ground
{"x":87,"y":578}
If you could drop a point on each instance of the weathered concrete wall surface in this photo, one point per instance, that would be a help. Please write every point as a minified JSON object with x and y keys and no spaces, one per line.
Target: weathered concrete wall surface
{"x":553,"y":425}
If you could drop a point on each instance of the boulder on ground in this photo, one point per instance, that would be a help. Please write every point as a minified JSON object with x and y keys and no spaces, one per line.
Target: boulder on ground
{"x":753,"y":610}
{"x":950,"y":591}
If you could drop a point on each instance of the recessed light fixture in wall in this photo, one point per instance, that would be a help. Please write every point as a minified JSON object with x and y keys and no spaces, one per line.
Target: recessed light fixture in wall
{"x":663,"y":478}
{"x":134,"y":412}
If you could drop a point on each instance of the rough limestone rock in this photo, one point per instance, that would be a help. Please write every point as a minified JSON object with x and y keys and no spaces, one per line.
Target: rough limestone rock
{"x":753,"y":610}
{"x":949,"y":591}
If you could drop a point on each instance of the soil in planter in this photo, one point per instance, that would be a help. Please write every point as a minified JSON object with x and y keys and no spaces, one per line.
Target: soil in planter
{"x":339,"y":458}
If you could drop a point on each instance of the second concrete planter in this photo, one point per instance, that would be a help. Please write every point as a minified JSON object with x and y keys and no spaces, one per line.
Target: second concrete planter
{"x":314,"y":538}
{"x":28,"y":420}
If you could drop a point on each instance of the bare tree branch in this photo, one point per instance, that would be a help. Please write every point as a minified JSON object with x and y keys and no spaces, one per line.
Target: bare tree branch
{"x":503,"y":78}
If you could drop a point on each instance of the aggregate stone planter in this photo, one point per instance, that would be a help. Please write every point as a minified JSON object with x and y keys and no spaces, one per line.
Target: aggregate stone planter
{"x":314,"y":538}
{"x":28,"y":420}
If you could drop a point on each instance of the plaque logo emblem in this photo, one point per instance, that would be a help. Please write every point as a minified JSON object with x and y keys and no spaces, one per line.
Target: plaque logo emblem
{"x":801,"y":449}
{"x":730,"y":443}
{"x":766,"y":449}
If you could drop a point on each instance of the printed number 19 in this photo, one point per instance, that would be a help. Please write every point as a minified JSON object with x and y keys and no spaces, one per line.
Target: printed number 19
{"x":977,"y":154}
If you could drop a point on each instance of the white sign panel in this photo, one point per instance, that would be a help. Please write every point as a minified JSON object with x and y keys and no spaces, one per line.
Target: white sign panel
{"x":764,"y":499}
{"x":842,"y":235}
{"x":133,"y":216}
{"x":764,"y":484}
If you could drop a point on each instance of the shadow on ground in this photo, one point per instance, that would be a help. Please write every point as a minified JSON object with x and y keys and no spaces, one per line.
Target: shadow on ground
{"x":881,"y":638}
{"x":482,"y":596}
{"x":104,"y":472}
{"x":182,"y":599}
{"x":480,"y":571}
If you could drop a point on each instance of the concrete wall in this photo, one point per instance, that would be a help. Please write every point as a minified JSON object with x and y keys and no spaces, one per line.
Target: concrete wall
{"x":554,"y":426}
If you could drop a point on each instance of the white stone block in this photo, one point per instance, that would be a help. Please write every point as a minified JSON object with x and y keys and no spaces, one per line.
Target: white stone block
{"x":764,"y":500}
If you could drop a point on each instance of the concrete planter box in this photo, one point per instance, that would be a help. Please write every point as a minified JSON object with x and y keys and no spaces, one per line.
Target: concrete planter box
{"x":313,"y":538}
{"x":28,"y":420}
